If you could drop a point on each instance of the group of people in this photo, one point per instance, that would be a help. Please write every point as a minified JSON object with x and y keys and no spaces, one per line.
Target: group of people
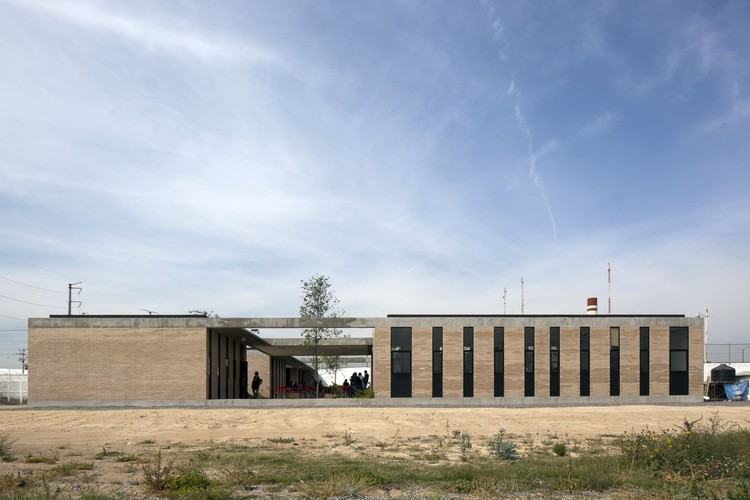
{"x":358,"y":382}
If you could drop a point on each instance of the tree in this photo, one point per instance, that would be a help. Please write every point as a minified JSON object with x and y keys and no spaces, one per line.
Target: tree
{"x":319,"y":301}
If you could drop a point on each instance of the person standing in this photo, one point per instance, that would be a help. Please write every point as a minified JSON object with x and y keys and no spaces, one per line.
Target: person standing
{"x":256,"y":385}
{"x":365,"y":380}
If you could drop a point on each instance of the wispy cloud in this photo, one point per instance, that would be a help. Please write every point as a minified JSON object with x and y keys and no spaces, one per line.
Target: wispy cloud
{"x":601,"y":124}
{"x":153,"y":36}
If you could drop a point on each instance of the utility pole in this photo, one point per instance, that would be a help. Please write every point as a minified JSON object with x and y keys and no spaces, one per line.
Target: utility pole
{"x":71,"y":287}
{"x":521,"y":295}
{"x":22,"y":357}
{"x":505,"y":297}
{"x":609,"y":288}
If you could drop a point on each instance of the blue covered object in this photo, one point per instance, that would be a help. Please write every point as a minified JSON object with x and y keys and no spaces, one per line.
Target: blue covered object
{"x":736,"y":391}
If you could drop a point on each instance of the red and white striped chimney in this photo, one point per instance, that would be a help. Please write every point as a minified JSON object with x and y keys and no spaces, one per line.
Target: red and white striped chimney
{"x":591,"y":305}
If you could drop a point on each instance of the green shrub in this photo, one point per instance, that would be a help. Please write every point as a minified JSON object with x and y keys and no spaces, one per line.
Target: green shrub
{"x":365,"y":393}
{"x":157,"y":474}
{"x":188,"y":479}
{"x":701,"y":452}
{"x":502,"y":449}
{"x":560,"y":449}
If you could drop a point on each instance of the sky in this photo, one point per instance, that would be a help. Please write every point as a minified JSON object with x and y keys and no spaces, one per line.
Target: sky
{"x":425,"y":156}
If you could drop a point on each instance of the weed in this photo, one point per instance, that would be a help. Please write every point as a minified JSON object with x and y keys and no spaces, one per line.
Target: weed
{"x":157,"y":474}
{"x":465,"y":445}
{"x":281,"y":440}
{"x":127,"y":458}
{"x":339,"y":485}
{"x":104,"y":454}
{"x":348,"y":440}
{"x":147,"y":441}
{"x":6,"y":448}
{"x":188,"y":478}
{"x":502,"y":449}
{"x":560,"y":449}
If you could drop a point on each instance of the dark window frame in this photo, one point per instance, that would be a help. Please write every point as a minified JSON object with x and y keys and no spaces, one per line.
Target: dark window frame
{"x":554,"y":361}
{"x":644,"y":360}
{"x":437,"y":362}
{"x":499,"y":361}
{"x":401,"y":362}
{"x":468,"y":361}
{"x":528,"y":361}
{"x":679,"y":380}
{"x":614,"y":360}
{"x":585,"y":360}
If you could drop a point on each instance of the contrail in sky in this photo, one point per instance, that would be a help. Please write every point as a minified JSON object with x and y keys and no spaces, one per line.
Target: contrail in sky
{"x":523,"y":124}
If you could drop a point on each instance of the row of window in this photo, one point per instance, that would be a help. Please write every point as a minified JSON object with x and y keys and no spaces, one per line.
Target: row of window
{"x":401,"y":361}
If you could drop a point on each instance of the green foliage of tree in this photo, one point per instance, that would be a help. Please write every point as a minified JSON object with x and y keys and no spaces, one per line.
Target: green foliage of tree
{"x":319,"y":301}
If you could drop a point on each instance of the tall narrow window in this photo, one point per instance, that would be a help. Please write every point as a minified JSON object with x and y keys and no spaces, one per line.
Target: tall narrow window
{"x":468,"y":361}
{"x":585,"y":367}
{"x":554,"y":361}
{"x":437,"y":362}
{"x":644,"y":361}
{"x":499,"y":361}
{"x":678,"y":361}
{"x":528,"y":362}
{"x":401,"y":362}
{"x":614,"y":360}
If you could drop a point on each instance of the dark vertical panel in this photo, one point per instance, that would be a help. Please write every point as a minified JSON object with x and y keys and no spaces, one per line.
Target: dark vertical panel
{"x":468,"y":362}
{"x":437,"y":362}
{"x":644,"y":360}
{"x":401,"y":362}
{"x":210,"y":366}
{"x":499,"y":361}
{"x":679,"y":342}
{"x":528,"y":341}
{"x":585,"y":342}
{"x":614,"y":361}
{"x":554,"y":361}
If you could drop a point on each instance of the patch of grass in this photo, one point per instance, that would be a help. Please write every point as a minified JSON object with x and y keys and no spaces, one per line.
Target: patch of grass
{"x":127,"y":458}
{"x":147,"y":441}
{"x":71,"y":468}
{"x":280,"y":440}
{"x":42,"y":459}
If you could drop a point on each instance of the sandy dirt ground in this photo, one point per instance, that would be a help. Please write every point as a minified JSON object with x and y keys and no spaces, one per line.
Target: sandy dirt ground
{"x":84,"y":430}
{"x":47,"y":441}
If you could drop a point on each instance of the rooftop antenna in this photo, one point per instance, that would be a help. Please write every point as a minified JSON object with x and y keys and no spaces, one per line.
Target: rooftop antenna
{"x":505,"y":303}
{"x":149,"y":312}
{"x":609,"y":288}
{"x":521,"y":294}
{"x":71,"y":287}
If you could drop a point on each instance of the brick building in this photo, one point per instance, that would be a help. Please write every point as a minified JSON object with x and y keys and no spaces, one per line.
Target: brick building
{"x":484,"y":360}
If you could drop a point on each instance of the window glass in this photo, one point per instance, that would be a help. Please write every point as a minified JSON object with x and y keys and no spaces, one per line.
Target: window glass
{"x":554,"y":361}
{"x":401,"y":339}
{"x":401,"y":362}
{"x":468,"y":362}
{"x":529,"y":361}
{"x":437,"y":362}
{"x":499,"y":362}
{"x":678,"y":361}
{"x":678,"y":337}
{"x":585,"y":361}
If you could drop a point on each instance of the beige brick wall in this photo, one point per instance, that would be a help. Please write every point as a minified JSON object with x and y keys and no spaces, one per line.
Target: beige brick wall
{"x":541,"y":362}
{"x":110,"y":364}
{"x":484,"y":362}
{"x":381,"y":362}
{"x":659,"y":369}
{"x":630,"y":365}
{"x":421,"y":362}
{"x":453,"y":362}
{"x":261,"y":363}
{"x":514,"y":367}
{"x":570,"y":362}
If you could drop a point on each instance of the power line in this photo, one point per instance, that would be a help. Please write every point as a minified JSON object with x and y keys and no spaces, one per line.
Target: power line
{"x":31,"y":286}
{"x":32,"y":264}
{"x":12,"y":317}
{"x":17,"y":330}
{"x":31,"y":303}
